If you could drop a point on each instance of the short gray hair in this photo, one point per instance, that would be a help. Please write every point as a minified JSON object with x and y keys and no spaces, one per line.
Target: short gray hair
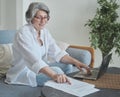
{"x":33,"y":8}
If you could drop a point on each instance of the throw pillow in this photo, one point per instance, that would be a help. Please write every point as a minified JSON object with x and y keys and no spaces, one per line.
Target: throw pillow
{"x":5,"y":58}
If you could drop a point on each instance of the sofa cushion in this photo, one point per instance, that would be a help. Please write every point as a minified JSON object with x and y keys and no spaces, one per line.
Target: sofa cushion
{"x":7,"y":36}
{"x":5,"y":58}
{"x":6,"y":39}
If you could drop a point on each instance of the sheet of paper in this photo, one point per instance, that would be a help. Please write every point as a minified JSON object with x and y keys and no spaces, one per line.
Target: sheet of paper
{"x":77,"y":88}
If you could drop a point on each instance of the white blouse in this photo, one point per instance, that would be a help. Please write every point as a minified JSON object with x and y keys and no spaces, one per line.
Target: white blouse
{"x":29,"y":57}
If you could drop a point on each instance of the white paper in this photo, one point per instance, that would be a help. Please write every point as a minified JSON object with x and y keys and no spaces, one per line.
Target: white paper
{"x":77,"y":88}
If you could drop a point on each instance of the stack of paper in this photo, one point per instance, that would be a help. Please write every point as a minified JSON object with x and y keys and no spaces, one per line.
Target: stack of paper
{"x":77,"y":88}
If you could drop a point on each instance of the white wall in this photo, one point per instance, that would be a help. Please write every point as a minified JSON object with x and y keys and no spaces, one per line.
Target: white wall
{"x":19,"y":13}
{"x":8,"y":14}
{"x":2,"y":13}
{"x":67,"y":21}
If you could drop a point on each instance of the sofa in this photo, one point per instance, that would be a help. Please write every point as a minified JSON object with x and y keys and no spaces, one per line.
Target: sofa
{"x":6,"y":90}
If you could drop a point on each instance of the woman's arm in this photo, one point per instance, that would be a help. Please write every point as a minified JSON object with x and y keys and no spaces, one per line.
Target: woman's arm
{"x":60,"y":78}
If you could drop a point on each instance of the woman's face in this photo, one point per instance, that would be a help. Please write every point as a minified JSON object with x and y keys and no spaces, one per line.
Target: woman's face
{"x":40,"y":19}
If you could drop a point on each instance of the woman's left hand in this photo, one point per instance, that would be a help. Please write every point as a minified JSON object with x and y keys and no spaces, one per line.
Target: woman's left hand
{"x":82,"y":66}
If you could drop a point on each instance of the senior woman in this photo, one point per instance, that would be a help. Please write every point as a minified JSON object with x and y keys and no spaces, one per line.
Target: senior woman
{"x":32,"y":47}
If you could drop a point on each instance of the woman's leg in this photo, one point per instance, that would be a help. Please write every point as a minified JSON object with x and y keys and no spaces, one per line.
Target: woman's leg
{"x":82,"y":55}
{"x":42,"y":78}
{"x":67,"y":68}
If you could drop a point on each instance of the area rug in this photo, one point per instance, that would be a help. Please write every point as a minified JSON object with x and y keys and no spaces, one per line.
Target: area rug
{"x":111,"y":81}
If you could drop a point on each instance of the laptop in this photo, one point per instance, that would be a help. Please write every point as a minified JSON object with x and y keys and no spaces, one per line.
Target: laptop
{"x":95,"y":72}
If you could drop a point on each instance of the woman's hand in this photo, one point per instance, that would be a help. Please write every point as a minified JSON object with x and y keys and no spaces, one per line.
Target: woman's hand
{"x":61,"y":78}
{"x":82,"y":66}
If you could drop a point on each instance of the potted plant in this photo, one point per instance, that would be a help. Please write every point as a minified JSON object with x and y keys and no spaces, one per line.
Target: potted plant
{"x":105,"y":29}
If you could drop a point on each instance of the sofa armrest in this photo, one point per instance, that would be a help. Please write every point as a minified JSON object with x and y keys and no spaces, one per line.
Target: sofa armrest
{"x":90,"y":49}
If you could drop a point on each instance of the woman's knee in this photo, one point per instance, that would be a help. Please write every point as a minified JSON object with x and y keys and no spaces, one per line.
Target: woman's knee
{"x":82,"y":55}
{"x":58,"y":70}
{"x":86,"y":57}
{"x":68,"y":68}
{"x":41,"y":79}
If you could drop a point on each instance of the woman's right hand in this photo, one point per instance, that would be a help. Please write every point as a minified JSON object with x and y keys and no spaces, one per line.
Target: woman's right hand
{"x":61,"y":78}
